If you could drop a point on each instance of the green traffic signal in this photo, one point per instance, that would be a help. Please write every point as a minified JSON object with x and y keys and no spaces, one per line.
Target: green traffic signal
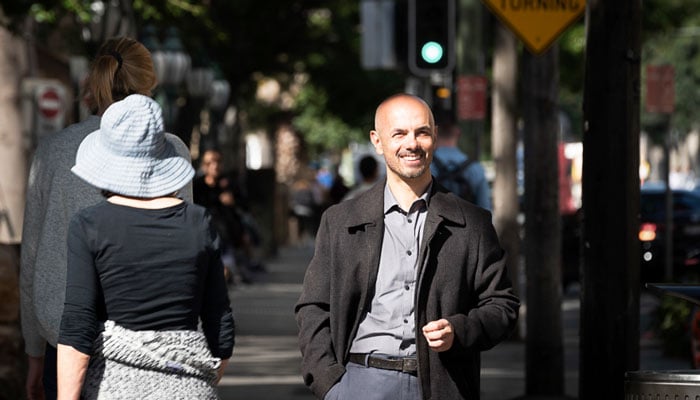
{"x":431,"y":36}
{"x":432,"y":52}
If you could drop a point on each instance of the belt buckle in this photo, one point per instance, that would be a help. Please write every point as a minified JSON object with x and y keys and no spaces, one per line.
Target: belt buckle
{"x":409,"y":365}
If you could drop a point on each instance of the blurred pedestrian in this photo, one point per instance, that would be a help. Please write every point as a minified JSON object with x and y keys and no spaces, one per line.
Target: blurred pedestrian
{"x":324,"y":176}
{"x":122,"y":66}
{"x":144,"y":270}
{"x":408,"y":284}
{"x":221,"y":194}
{"x":369,"y":174}
{"x":338,"y":188}
{"x":307,"y":198}
{"x":456,"y":171}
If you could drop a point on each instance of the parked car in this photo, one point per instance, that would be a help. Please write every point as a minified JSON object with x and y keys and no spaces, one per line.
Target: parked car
{"x":652,"y":233}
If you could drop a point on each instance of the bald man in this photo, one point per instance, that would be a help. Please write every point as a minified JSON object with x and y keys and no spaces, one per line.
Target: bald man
{"x":408,"y":283}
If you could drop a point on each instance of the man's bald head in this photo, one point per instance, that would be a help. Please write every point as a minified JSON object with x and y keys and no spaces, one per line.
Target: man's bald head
{"x":399,"y":98}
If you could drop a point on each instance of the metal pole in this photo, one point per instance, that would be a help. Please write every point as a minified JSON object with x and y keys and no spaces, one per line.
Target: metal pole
{"x":668,"y":203}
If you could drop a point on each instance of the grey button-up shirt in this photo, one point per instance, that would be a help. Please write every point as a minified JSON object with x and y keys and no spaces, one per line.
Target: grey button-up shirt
{"x":389,"y":325}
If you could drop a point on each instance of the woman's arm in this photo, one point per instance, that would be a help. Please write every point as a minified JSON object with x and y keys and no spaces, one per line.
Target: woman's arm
{"x":71,"y":372}
{"x":78,"y":322}
{"x":216,"y":315}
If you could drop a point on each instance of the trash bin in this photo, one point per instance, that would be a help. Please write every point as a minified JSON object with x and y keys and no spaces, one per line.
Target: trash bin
{"x":680,"y":384}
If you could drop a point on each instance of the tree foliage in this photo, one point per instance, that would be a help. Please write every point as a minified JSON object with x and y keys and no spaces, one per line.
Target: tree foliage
{"x":670,"y":34}
{"x":682,"y":51}
{"x":572,"y":45}
{"x":316,"y":38}
{"x":247,"y":39}
{"x":671,"y":29}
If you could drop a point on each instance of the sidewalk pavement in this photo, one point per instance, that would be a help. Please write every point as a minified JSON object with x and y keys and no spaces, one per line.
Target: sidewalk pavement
{"x":265,"y":363}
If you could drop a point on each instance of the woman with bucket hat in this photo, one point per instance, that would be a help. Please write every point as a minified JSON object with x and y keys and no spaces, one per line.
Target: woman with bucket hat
{"x":144,"y":269}
{"x":121,"y":67}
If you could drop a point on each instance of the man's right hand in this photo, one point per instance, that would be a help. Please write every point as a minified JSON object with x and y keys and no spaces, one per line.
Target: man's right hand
{"x":35,"y":375}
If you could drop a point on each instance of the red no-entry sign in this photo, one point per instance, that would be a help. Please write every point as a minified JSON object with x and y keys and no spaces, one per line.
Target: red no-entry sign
{"x":44,"y":105}
{"x":49,"y":102}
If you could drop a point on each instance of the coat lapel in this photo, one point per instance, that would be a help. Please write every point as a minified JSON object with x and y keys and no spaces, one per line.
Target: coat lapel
{"x":442,"y":207}
{"x":365,"y":218}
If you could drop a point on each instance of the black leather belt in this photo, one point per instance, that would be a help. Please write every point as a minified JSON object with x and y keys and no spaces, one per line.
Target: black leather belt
{"x":408,"y":365}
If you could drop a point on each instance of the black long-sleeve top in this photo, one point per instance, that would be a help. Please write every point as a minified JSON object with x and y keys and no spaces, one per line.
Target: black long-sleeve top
{"x":145,"y":269}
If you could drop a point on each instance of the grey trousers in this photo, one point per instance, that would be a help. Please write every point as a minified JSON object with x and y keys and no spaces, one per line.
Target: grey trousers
{"x":360,"y":382}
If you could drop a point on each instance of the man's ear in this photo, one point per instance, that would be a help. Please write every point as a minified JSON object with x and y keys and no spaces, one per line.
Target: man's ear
{"x":374,"y":138}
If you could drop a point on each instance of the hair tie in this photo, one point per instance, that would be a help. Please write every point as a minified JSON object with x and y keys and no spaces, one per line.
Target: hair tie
{"x":117,"y":57}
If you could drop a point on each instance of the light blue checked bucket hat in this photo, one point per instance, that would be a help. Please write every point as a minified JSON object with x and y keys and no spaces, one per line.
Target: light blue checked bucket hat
{"x":130,"y":154}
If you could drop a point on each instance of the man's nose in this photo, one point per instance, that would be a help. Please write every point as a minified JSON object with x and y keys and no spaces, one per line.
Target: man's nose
{"x":411,"y":140}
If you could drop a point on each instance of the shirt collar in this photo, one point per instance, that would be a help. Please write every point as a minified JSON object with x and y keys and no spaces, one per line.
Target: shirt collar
{"x":390,"y":202}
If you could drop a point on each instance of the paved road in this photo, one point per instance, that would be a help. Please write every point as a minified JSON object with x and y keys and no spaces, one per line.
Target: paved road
{"x":265,"y":363}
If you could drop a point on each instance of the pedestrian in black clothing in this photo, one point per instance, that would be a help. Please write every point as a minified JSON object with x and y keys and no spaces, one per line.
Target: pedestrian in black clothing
{"x":122,"y":66}
{"x":222,"y":196}
{"x":144,"y":271}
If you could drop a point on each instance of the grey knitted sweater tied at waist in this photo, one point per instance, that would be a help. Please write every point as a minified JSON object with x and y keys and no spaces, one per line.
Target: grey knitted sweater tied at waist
{"x":150,"y":364}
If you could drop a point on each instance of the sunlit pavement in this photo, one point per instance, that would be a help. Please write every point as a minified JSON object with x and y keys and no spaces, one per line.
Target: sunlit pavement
{"x":266,"y":358}
{"x":265,"y":363}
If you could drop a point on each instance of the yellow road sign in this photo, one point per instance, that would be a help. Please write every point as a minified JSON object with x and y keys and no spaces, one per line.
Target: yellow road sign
{"x":537,"y":23}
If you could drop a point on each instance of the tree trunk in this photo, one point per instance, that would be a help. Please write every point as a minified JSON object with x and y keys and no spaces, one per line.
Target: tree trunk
{"x":504,"y":146}
{"x":13,"y":178}
{"x":610,"y":298}
{"x":13,"y":147}
{"x":544,"y":349}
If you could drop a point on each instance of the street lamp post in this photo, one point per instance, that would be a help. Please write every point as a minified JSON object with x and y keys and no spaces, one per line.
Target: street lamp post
{"x":199,"y":81}
{"x":107,"y":19}
{"x":175,"y":65}
{"x":209,"y":94}
{"x":172,"y":64}
{"x":218,"y":102}
{"x":220,"y":92}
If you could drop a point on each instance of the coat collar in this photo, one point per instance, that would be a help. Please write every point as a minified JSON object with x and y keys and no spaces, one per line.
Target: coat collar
{"x":445,"y":206}
{"x":365,"y":213}
{"x":368,"y":208}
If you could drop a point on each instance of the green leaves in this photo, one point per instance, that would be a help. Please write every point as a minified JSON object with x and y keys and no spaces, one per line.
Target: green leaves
{"x":249,"y":38}
{"x":322,"y":130}
{"x":671,"y":324}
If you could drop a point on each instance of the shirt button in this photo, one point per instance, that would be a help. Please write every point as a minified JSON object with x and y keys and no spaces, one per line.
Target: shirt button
{"x":409,"y":252}
{"x":407,"y":287}
{"x":410,"y":220}
{"x":405,"y":321}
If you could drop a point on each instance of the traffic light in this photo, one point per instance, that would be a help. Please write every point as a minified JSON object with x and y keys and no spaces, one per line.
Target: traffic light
{"x":441,"y":104}
{"x":431,"y":33}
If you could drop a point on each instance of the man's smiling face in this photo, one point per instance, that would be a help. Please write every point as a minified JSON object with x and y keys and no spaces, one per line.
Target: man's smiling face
{"x":405,"y":135}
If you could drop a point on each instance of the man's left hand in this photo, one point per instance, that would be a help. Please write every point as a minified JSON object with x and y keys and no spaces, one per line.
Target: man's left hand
{"x":439,"y":335}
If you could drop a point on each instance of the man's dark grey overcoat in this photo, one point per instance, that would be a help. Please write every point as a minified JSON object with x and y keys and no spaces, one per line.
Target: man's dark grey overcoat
{"x":462,"y":277}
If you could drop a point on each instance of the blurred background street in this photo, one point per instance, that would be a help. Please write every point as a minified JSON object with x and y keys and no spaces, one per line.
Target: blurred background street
{"x":285,"y":92}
